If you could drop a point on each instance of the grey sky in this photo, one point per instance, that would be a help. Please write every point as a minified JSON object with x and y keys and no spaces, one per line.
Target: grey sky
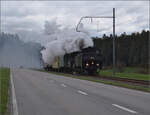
{"x":132,"y":16}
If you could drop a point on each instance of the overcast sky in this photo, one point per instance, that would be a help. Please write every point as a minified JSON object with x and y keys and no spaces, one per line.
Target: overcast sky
{"x":30,"y":15}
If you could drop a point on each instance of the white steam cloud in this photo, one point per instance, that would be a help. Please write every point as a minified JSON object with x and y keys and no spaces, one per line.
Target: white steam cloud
{"x":63,"y":40}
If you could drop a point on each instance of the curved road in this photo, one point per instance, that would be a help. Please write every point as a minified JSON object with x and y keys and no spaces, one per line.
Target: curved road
{"x":39,"y":93}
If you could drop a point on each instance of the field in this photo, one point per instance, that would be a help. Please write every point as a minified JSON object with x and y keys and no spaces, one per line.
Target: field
{"x":4,"y":86}
{"x":128,"y":72}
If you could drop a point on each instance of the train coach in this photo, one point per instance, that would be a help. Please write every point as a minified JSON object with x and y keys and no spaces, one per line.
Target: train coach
{"x":88,"y":60}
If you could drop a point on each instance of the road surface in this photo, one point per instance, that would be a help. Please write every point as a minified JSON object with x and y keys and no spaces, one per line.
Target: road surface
{"x":39,"y":93}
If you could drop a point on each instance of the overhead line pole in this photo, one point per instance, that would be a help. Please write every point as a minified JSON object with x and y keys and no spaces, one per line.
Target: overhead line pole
{"x":113,"y":39}
{"x":114,"y":61}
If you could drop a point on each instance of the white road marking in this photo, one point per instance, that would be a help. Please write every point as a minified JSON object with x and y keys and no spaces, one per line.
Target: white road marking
{"x":124,"y":108}
{"x":51,"y":80}
{"x":14,"y":101}
{"x":84,"y":93}
{"x":63,"y":85}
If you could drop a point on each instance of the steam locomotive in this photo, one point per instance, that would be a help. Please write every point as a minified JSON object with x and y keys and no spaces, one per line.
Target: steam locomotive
{"x":88,"y":60}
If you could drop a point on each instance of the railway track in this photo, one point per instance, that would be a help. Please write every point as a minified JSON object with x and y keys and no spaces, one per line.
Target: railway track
{"x":127,"y":80}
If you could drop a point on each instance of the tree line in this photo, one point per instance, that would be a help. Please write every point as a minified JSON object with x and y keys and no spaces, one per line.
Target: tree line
{"x":131,"y":50}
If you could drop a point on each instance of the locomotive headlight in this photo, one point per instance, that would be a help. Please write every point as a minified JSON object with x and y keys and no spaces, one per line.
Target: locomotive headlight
{"x":92,"y":62}
{"x":97,"y":64}
{"x":87,"y":64}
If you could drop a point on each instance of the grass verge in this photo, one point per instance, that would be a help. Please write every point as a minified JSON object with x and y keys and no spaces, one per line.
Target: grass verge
{"x":4,"y":86}
{"x":109,"y":82}
{"x":131,"y":73}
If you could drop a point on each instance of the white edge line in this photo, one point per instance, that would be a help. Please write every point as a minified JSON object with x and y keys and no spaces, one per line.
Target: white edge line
{"x":14,"y":101}
{"x":84,"y":93}
{"x":63,"y":85}
{"x":124,"y":108}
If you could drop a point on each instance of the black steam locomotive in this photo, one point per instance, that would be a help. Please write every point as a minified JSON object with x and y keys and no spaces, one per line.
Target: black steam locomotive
{"x":88,"y":60}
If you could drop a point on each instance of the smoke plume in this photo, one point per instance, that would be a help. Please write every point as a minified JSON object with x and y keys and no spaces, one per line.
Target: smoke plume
{"x":62,"y":41}
{"x":25,"y":50}
{"x":16,"y":53}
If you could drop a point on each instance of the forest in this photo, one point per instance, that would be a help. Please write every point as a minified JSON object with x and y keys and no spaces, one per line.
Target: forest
{"x":131,"y":50}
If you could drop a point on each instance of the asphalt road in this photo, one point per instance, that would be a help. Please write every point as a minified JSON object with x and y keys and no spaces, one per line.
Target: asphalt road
{"x":39,"y":93}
